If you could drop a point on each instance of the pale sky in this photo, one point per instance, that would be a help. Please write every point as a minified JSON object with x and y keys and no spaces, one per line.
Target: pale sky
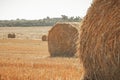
{"x":38,"y":9}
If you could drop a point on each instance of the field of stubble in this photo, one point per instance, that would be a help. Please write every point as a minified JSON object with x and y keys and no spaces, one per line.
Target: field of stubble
{"x":27,"y":58}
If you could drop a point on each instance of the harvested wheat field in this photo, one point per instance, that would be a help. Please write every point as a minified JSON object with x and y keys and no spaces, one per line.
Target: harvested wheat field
{"x":24,"y":58}
{"x":24,"y":32}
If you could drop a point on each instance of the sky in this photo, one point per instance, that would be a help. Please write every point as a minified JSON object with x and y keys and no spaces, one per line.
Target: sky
{"x":39,"y":9}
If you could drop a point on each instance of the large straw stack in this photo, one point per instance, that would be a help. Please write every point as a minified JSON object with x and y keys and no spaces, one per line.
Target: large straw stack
{"x":11,"y":35}
{"x":44,"y":38}
{"x":100,"y":41}
{"x":63,"y":39}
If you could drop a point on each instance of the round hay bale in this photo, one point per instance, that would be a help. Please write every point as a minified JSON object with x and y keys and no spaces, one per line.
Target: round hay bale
{"x":44,"y":38}
{"x":100,"y":41}
{"x":11,"y":35}
{"x":63,"y":39}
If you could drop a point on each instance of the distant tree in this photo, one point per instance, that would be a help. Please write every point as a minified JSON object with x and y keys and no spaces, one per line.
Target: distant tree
{"x":48,"y":17}
{"x":64,"y":17}
{"x":71,"y":18}
{"x":41,"y":22}
{"x":17,"y":19}
{"x":77,"y":18}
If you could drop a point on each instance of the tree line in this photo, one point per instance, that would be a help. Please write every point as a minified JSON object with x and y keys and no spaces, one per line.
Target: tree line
{"x":41,"y":22}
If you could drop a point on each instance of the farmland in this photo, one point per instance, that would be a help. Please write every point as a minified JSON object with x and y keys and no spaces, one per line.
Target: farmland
{"x":26,"y":57}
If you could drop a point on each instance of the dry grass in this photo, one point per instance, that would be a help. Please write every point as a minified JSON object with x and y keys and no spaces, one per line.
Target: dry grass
{"x":26,"y":59}
{"x":39,"y":69}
